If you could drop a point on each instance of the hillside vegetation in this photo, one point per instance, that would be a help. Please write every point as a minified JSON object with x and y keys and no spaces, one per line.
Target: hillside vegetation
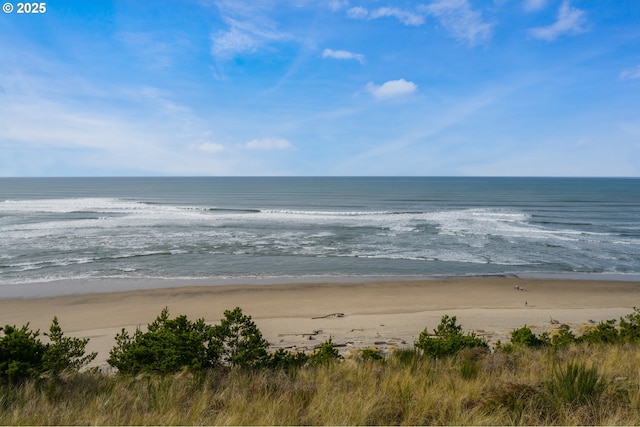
{"x":180,"y":371}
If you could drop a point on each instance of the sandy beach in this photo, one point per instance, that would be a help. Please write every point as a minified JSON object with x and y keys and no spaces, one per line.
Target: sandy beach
{"x":385,"y":315}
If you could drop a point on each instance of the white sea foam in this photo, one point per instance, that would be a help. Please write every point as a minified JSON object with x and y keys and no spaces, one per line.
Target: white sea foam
{"x":471,"y":224}
{"x":99,"y":237}
{"x":135,"y":214}
{"x":290,"y":212}
{"x":132,"y":209}
{"x":86,"y":204}
{"x":484,"y":222}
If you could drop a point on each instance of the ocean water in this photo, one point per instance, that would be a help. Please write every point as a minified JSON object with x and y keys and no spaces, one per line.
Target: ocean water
{"x":316,"y":228}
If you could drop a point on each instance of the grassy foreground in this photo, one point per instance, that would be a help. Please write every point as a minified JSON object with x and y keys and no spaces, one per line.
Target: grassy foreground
{"x":580,"y":384}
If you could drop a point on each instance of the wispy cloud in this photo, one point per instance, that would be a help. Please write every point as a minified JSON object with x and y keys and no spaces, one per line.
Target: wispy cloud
{"x":267,"y":144}
{"x":570,"y":20}
{"x":630,"y":73}
{"x":391,"y":89}
{"x":336,"y":5}
{"x":534,"y":5}
{"x":160,"y":100}
{"x":342,"y":54}
{"x":358,"y":12}
{"x":260,"y":144}
{"x":460,"y":20}
{"x":151,"y":50}
{"x":227,"y":44}
{"x":249,"y":29}
{"x":405,"y":17}
{"x":208,"y":147}
{"x":80,"y":127}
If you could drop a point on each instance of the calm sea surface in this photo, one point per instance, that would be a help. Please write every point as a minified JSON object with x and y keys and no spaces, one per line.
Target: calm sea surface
{"x":261,"y":228}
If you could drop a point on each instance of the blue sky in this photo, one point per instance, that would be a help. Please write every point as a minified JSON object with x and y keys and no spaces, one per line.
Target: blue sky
{"x":331,"y":87}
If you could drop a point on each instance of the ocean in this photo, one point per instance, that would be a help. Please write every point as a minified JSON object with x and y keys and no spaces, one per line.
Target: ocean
{"x":316,"y":229}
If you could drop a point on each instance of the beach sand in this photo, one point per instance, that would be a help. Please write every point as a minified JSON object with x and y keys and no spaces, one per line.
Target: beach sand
{"x":385,"y":315}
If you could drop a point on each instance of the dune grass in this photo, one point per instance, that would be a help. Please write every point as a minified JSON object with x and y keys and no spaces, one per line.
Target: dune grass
{"x":580,"y":384}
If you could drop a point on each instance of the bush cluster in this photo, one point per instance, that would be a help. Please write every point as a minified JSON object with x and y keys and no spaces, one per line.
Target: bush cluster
{"x":605,"y":332}
{"x":172,"y":345}
{"x":168,"y":346}
{"x":448,"y":339}
{"x":235,"y":378}
{"x":24,"y":356}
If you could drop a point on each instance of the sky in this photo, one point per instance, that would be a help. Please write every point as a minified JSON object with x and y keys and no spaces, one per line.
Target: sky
{"x":320,"y":88}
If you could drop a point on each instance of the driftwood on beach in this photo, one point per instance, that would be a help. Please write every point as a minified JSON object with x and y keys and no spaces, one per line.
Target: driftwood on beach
{"x":329,"y":315}
{"x":314,"y":333}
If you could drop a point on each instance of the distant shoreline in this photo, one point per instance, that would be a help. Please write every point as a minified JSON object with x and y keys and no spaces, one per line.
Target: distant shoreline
{"x":69,"y":287}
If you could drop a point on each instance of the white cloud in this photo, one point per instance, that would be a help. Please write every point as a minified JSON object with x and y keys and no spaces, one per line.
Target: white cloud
{"x":227,"y":44}
{"x":267,"y":144}
{"x":391,"y":89}
{"x":534,"y":5}
{"x":79,"y":140}
{"x":336,"y":5}
{"x":570,"y":20}
{"x":462,"y":22}
{"x":342,"y":54}
{"x":249,"y":29}
{"x":208,"y":147}
{"x":161,"y":100}
{"x":358,"y":13}
{"x":456,"y":16}
{"x":405,"y":17}
{"x":630,"y":73}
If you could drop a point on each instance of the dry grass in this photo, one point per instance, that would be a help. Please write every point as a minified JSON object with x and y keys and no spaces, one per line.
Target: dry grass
{"x":471,"y":389}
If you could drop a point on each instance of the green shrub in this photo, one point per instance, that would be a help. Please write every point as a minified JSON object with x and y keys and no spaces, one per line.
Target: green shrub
{"x":604,"y":333}
{"x":371,"y":354}
{"x":630,"y":326}
{"x":23,"y":355}
{"x":563,"y":337}
{"x":171,"y":345}
{"x":325,"y":354}
{"x":447,"y":339}
{"x":240,"y":341}
{"x":64,"y":353}
{"x":168,"y":346}
{"x":286,"y":360}
{"x":524,"y":336}
{"x":507,"y":348}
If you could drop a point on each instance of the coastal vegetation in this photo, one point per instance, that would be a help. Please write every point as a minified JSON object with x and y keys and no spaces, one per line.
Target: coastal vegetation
{"x":179,"y":371}
{"x":23,"y":355}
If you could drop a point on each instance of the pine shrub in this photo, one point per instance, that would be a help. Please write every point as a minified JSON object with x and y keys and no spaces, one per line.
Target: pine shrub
{"x":23,"y":356}
{"x":240,"y":341}
{"x":325,"y":354}
{"x":168,"y":346}
{"x":447,"y":339}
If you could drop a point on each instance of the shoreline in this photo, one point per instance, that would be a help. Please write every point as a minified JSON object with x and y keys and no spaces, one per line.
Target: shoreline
{"x":70,"y":287}
{"x":300,"y":316}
